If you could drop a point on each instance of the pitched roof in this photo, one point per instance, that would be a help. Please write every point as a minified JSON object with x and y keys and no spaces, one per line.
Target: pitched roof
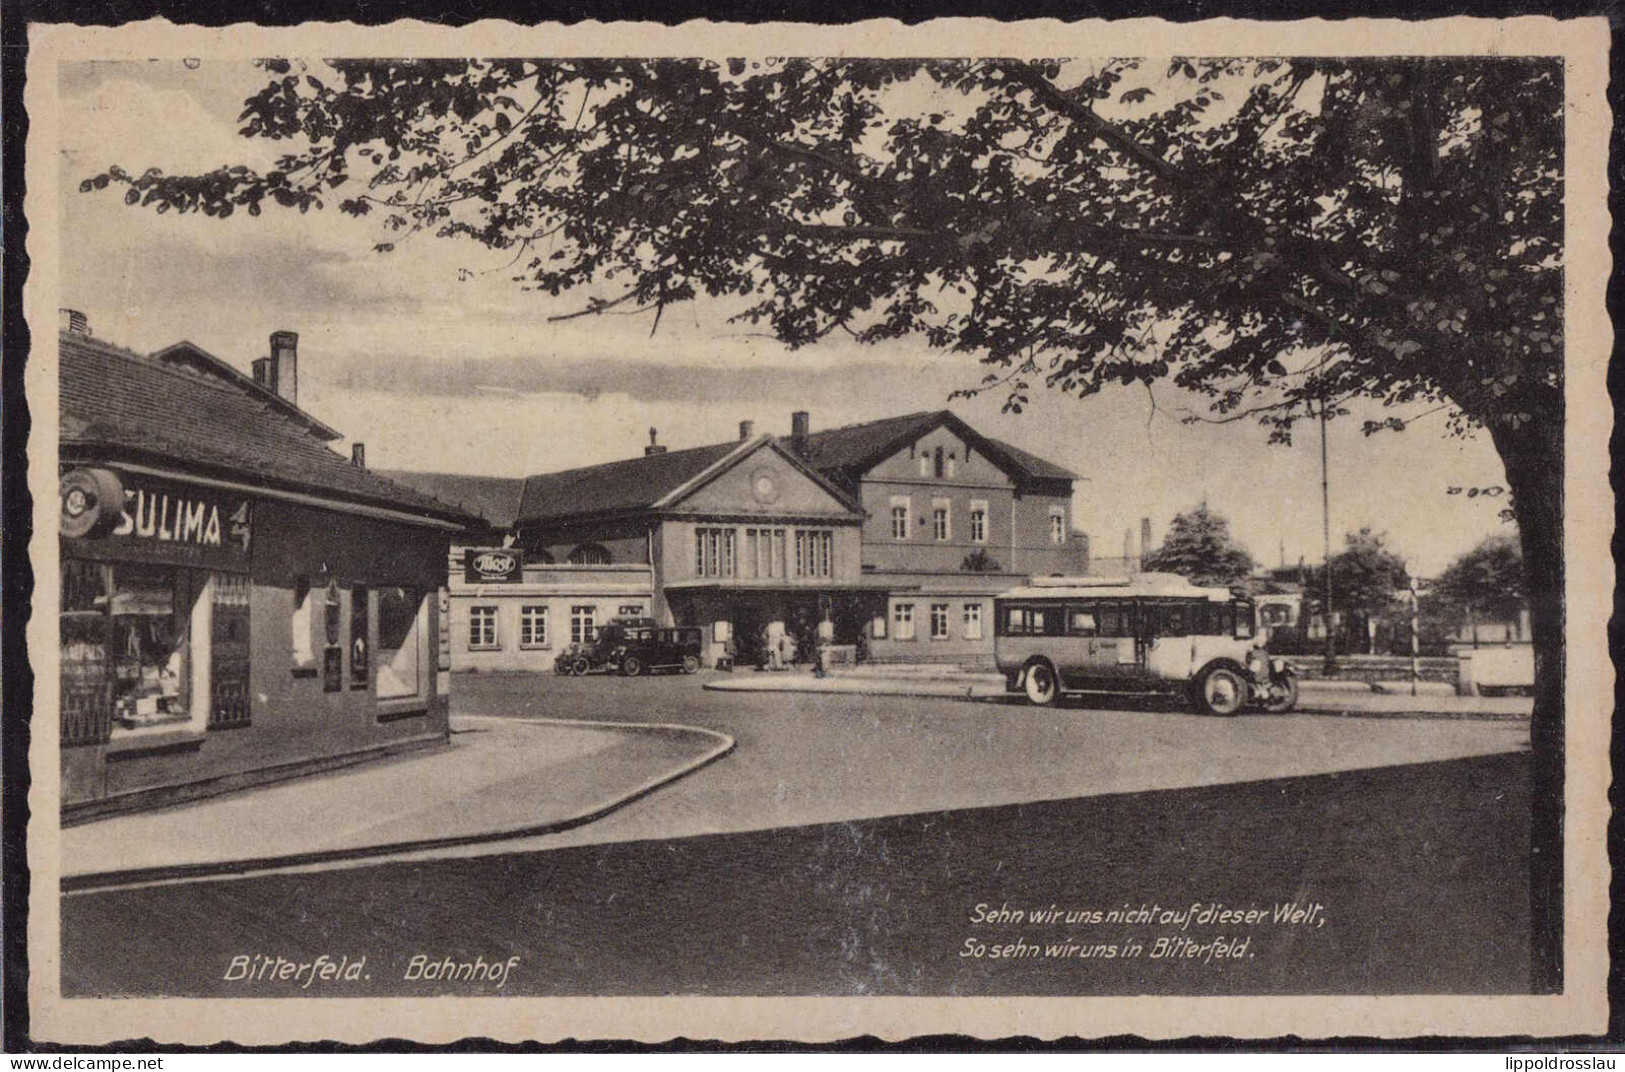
{"x":629,"y":484}
{"x":495,"y":498}
{"x":859,"y":447}
{"x":187,"y":416}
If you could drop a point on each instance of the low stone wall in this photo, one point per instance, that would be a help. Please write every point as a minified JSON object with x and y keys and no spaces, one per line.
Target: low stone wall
{"x":1378,"y":668}
{"x":968,"y":660}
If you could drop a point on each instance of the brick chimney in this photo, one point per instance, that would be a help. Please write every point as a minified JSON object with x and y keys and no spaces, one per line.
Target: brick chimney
{"x":746,"y":429}
{"x":800,"y":425}
{"x":358,"y":455}
{"x":653,"y":448}
{"x":284,"y":378}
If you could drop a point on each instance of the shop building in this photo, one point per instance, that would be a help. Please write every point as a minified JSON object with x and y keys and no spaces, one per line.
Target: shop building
{"x":239,"y":602}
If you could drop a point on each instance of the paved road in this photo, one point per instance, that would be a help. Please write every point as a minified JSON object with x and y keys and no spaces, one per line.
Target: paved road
{"x":843,"y":847}
{"x":802,"y":759}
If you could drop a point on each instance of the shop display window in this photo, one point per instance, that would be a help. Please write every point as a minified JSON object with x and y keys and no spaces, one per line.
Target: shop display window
{"x":158,"y":680}
{"x":402,"y":629}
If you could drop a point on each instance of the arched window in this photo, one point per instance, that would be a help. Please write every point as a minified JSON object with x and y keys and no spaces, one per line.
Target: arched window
{"x":590,"y":554}
{"x":939,"y":464}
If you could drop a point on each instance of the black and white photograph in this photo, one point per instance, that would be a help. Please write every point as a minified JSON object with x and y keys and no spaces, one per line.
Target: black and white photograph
{"x":962,"y":512}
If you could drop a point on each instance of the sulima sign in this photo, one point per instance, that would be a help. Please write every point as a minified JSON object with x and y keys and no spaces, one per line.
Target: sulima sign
{"x":197,"y":522}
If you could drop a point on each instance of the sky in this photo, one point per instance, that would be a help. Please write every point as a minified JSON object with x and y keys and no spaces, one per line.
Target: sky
{"x":437,"y":360}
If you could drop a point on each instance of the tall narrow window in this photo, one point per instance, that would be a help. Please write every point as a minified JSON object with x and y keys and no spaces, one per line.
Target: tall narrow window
{"x":303,"y":624}
{"x":714,"y":552}
{"x":583,"y":623}
{"x":482,"y":628}
{"x":533,"y":625}
{"x":1057,"y":524}
{"x":902,"y":619}
{"x":941,"y":525}
{"x":939,"y":621}
{"x":925,"y":464}
{"x":973,"y":621}
{"x":899,"y":517}
{"x":402,"y":625}
{"x":978,"y":521}
{"x":940,"y":467}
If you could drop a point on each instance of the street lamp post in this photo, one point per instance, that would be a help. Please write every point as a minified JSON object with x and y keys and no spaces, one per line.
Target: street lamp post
{"x":1330,"y":667}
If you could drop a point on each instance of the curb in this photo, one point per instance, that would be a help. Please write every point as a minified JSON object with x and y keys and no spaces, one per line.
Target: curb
{"x":93,"y":882}
{"x":1327,"y":707}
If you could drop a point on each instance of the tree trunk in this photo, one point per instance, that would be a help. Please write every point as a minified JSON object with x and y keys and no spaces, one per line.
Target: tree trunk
{"x":1533,"y":456}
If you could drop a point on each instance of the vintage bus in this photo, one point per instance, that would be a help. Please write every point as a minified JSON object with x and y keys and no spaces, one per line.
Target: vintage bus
{"x":1152,"y":633}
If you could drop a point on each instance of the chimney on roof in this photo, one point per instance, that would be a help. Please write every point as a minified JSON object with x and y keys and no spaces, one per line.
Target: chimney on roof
{"x":284,"y":378}
{"x":800,"y":422}
{"x":358,"y":455}
{"x":653,"y":448}
{"x":1145,"y":537}
{"x":747,"y":429}
{"x":73,"y":322}
{"x":265,"y":373}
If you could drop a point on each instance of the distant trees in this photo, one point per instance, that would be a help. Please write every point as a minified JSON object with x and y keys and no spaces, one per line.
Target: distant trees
{"x":1199,"y":546}
{"x":1367,"y":577}
{"x":1489,"y":579}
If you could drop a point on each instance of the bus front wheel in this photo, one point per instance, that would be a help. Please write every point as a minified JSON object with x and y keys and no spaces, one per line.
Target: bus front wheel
{"x":1043,"y":688}
{"x":1221,"y":691}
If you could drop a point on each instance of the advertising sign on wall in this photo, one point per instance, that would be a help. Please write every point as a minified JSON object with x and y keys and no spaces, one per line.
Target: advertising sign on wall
{"x":493,"y":565}
{"x":147,"y":518}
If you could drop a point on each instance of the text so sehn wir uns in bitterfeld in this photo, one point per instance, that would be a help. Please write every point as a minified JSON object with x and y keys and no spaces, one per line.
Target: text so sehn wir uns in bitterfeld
{"x":1204,"y":932}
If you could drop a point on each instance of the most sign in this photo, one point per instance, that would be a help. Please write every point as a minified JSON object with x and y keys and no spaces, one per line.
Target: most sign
{"x":493,"y":565}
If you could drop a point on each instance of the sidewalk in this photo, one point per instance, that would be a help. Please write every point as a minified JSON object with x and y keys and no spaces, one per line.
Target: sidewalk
{"x":948,"y":682}
{"x":497,"y":778}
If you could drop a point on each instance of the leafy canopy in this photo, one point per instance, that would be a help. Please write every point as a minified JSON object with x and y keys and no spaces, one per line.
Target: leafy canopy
{"x":1198,"y":546}
{"x":1279,"y":235}
{"x":1489,"y":579}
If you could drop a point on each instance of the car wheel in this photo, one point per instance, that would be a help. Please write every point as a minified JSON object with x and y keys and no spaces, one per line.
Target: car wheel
{"x":579,"y":668}
{"x":1221,"y":691}
{"x":1284,"y":697}
{"x":1043,"y":689}
{"x":691,"y":665}
{"x":631,"y":666}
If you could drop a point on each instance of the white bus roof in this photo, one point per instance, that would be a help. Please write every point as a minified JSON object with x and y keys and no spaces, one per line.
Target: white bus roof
{"x":1161,"y":585}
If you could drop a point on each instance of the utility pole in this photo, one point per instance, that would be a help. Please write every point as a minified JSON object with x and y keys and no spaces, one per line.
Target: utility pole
{"x":1330,"y":667}
{"x":1416,"y":635}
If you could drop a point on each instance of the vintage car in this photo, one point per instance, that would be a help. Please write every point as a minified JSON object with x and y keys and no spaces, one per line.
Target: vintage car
{"x":632,"y":646}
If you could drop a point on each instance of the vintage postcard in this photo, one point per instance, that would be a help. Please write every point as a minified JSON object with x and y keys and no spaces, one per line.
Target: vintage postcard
{"x":798,"y":532}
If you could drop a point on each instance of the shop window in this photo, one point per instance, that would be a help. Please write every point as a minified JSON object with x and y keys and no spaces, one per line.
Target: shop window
{"x":941,"y":527}
{"x":482,"y":628}
{"x":159,"y":680}
{"x":583,"y":624}
{"x":591,"y":554}
{"x":973,"y":621}
{"x":402,"y":633}
{"x":902,"y":618}
{"x":533,"y":626}
{"x":86,"y":681}
{"x":939,"y":621}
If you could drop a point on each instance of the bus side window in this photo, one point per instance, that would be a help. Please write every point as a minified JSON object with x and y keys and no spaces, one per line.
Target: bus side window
{"x":1080,"y":622}
{"x":1174,"y":620}
{"x":1114,"y":620}
{"x":1016,"y":621}
{"x":1035,"y":621}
